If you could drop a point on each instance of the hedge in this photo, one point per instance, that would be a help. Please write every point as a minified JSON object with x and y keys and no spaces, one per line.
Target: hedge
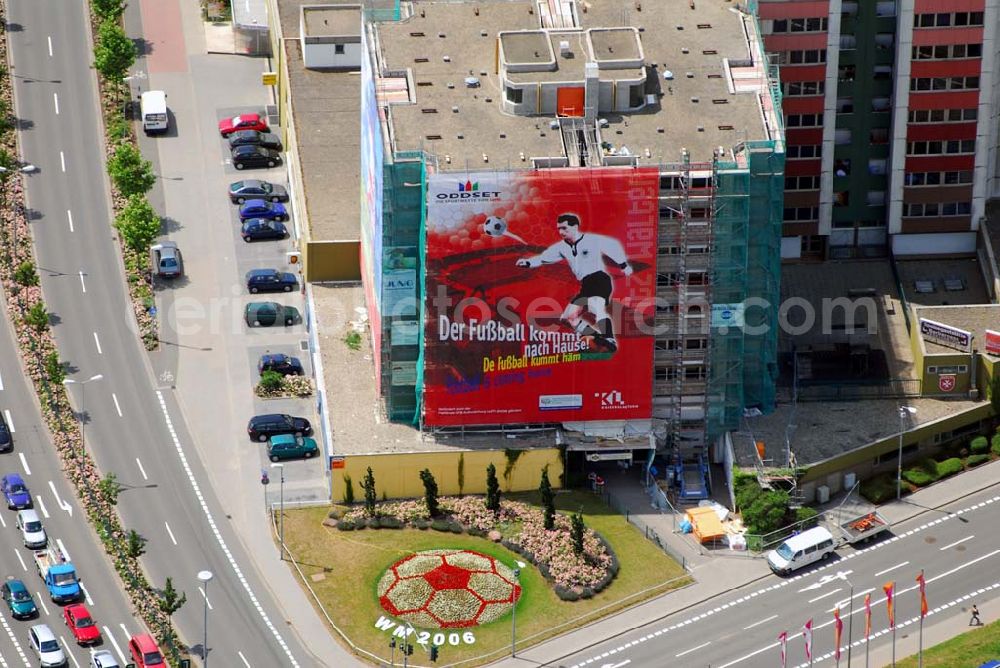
{"x":918,"y":477}
{"x":979,"y":445}
{"x":879,"y":489}
{"x":807,"y":516}
{"x":996,"y":444}
{"x":949,"y":467}
{"x":976,"y":460}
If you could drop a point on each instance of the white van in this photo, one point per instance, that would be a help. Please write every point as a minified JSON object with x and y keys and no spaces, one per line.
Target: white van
{"x":153,"y":105}
{"x":801,"y":550}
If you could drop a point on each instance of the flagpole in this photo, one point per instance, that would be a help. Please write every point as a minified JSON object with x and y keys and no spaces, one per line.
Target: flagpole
{"x":868,"y":625}
{"x":850,"y":624}
{"x":923,"y":609}
{"x":867,"y":641}
{"x":893,"y":646}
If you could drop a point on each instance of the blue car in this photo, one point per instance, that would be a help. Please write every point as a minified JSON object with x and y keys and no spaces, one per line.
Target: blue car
{"x":259,"y":208}
{"x":258,"y":229}
{"x":15,"y":492}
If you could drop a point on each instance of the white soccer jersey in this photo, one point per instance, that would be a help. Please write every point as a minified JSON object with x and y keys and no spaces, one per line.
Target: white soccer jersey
{"x":585,"y":257}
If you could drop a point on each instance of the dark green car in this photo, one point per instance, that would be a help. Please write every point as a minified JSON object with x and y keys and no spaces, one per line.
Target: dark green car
{"x":289,"y":446}
{"x":18,"y":599}
{"x":268,"y":314}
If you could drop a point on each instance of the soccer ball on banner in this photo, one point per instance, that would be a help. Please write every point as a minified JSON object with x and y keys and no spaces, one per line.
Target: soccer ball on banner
{"x":495,"y":226}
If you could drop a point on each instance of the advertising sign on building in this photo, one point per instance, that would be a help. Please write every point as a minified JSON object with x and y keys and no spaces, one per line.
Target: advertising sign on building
{"x":945,"y":335}
{"x":992,"y":342}
{"x":946,"y":383}
{"x":727,"y":315}
{"x":540,"y":296}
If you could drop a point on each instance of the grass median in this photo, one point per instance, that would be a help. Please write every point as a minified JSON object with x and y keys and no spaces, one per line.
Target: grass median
{"x":343,"y":568}
{"x":972,"y":648}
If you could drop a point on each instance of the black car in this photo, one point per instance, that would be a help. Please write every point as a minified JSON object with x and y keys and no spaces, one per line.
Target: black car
{"x":283,"y":364}
{"x":262,"y":427}
{"x":6,"y":442}
{"x":241,"y":191}
{"x":255,"y":156}
{"x":268,"y":314}
{"x":260,"y":229}
{"x":255,"y":138}
{"x":271,"y":280}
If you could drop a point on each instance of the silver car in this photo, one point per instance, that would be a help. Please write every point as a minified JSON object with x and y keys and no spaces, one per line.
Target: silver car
{"x":30,"y":526}
{"x":46,"y":646}
{"x":103,"y":659}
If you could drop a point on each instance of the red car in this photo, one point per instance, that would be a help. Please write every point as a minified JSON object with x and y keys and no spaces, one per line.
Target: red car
{"x":228,"y":126}
{"x":79,"y":621}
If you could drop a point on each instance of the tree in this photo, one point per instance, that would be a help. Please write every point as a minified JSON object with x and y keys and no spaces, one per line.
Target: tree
{"x":368,"y":484}
{"x":136,"y":545}
{"x":54,"y":368}
{"x":170,"y":599}
{"x":492,"y":490}
{"x":548,"y":500}
{"x":576,"y":532}
{"x":25,"y":274}
{"x":114,"y":52}
{"x":430,"y":492}
{"x":348,"y":490}
{"x":108,"y":9}
{"x":6,"y":118}
{"x":37,"y":317}
{"x":129,"y":171}
{"x":767,"y":513}
{"x":110,"y":488}
{"x":138,"y":224}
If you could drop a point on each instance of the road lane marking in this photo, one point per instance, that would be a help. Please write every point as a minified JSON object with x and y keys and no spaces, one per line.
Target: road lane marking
{"x":41,"y":506}
{"x":750,"y":655}
{"x":24,"y":462}
{"x":244,"y":659}
{"x":61,"y":504}
{"x":86,"y":594}
{"x":10,"y":422}
{"x":693,"y":649}
{"x":141,"y":470}
{"x":1,"y":382}
{"x":24,"y":567}
{"x":204,"y":596}
{"x":127,"y":637}
{"x":110,"y":636}
{"x":13,"y":639}
{"x":41,"y":602}
{"x":174,"y":541}
{"x":98,"y":342}
{"x":844,"y":602}
{"x":62,"y":548}
{"x":957,"y":542}
{"x":763,"y":621}
{"x":82,"y":284}
{"x":62,"y":160}
{"x":117,"y":405}
{"x":66,"y":647}
{"x":891,"y":568}
{"x":50,"y":45}
{"x":55,"y":98}
{"x":69,"y":215}
{"x":822,"y":596}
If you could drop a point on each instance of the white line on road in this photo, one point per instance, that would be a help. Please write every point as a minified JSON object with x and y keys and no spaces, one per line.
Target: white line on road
{"x":141,"y":470}
{"x":174,"y":541}
{"x":82,"y":284}
{"x":50,"y":46}
{"x":62,"y":160}
{"x":763,"y":621}
{"x":41,"y":506}
{"x":245,"y":662}
{"x":1,"y":382}
{"x":111,"y":637}
{"x":127,"y":636}
{"x":957,"y":542}
{"x":62,"y":548}
{"x":98,"y":342}
{"x":822,"y":596}
{"x":75,"y":662}
{"x":891,"y":568}
{"x":60,"y":504}
{"x":24,"y":463}
{"x":55,"y":98}
{"x":4,"y":524}
{"x":117,"y":405}
{"x":750,"y":655}
{"x":24,"y":567}
{"x":69,"y":216}
{"x":86,"y":594}
{"x":693,"y":649}
{"x":10,"y":422}
{"x":41,"y":602}
{"x":207,"y":602}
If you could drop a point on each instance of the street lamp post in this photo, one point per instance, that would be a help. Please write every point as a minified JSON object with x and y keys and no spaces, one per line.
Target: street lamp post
{"x":83,"y":404}
{"x":903,"y":412}
{"x":850,"y":615}
{"x":205,"y":577}
{"x":4,"y":171}
{"x":281,"y":508}
{"x":513,"y":610}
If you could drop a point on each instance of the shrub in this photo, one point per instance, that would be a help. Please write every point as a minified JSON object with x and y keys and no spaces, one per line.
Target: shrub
{"x":374,"y":522}
{"x":979,"y":445}
{"x":348,"y":490}
{"x":767,"y":512}
{"x":368,"y":484}
{"x":949,"y":467}
{"x":270,"y":382}
{"x":390,"y":522}
{"x":455,"y":527}
{"x":566,"y":593}
{"x":879,"y":489}
{"x":747,"y":491}
{"x":807,"y":516}
{"x":930,"y":467}
{"x":976,"y":460}
{"x":37,"y":317}
{"x":430,"y":492}
{"x":25,"y":274}
{"x":918,"y":477}
{"x":335,"y":514}
{"x":586,"y":592}
{"x":995,"y":444}
{"x":422,"y":524}
{"x":441,"y":525}
{"x":345,"y":525}
{"x":54,"y":368}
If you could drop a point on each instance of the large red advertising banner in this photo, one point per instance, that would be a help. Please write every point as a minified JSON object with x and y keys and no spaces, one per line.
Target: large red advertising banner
{"x":540,"y":296}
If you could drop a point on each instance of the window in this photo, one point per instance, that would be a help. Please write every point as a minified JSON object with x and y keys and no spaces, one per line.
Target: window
{"x":945,"y":20}
{"x":799,"y":25}
{"x":934,"y":209}
{"x":514,"y":95}
{"x":338,"y":49}
{"x":664,"y":373}
{"x":697,"y":278}
{"x":694,"y":373}
{"x":696,"y":344}
{"x":801,"y":183}
{"x":793,"y":152}
{"x":801,"y":213}
{"x":804,"y":120}
{"x":798,"y":88}
{"x":808,"y":57}
{"x":942,"y":115}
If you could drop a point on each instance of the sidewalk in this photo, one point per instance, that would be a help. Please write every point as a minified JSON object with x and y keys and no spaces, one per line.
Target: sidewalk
{"x":716,"y":575}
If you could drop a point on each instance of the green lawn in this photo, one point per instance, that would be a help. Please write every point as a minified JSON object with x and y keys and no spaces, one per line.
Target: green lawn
{"x":350,"y":563}
{"x":968,"y":650}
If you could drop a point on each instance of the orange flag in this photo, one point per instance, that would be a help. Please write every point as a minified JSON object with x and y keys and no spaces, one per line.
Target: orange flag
{"x":868,"y":615}
{"x":888,"y":588}
{"x":838,"y":630}
{"x":923,"y":594}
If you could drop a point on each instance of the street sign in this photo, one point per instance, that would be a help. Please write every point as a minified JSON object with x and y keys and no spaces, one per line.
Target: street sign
{"x":264,"y":479}
{"x":337,"y":461}
{"x":269,"y":78}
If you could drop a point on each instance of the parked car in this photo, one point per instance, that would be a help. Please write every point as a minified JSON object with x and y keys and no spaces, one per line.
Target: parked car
{"x":287,"y":446}
{"x":259,"y":229}
{"x":165,"y":259}
{"x":255,"y":156}
{"x":271,"y":280}
{"x":262,"y":427}
{"x":15,"y":492}
{"x":283,"y":364}
{"x":81,"y":624}
{"x":268,"y":314}
{"x":32,"y":532}
{"x":6,"y":441}
{"x":254,"y":138}
{"x":145,"y":652}
{"x":228,"y":126}
{"x":241,"y":191}
{"x":104,"y":659}
{"x":260,"y":208}
{"x":18,"y":599}
{"x":46,"y":646}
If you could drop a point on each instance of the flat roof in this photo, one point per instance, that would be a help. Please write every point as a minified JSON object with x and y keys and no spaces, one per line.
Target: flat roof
{"x":330,"y":20}
{"x":942,"y":282}
{"x":327,"y":110}
{"x":466,"y":34}
{"x":975,"y":319}
{"x":541,"y":47}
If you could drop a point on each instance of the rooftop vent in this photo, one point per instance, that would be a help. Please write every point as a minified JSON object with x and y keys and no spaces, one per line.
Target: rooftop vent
{"x":425,"y":83}
{"x":694,"y":100}
{"x":442,"y":35}
{"x":684,"y":49}
{"x":421,"y":60}
{"x":428,"y":110}
{"x":725,"y":127}
{"x":709,"y":52}
{"x":432,"y":137}
{"x":689,"y":75}
{"x":564,"y":48}
{"x":720,"y":100}
{"x":701,"y":128}
{"x":483,"y":33}
{"x":668,"y":75}
{"x":602,"y":122}
{"x":471,"y":82}
{"x":446,"y":59}
{"x":417,"y":34}
{"x":704,"y":26}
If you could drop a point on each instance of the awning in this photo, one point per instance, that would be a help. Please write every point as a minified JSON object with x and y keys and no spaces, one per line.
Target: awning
{"x":705,"y":523}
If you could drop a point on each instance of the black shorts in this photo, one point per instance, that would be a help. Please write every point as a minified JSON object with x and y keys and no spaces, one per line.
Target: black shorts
{"x":597,"y":284}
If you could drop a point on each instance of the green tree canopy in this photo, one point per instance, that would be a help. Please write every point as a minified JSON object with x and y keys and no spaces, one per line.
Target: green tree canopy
{"x":114,"y":51}
{"x":548,"y":500}
{"x":138,"y":224}
{"x":130,"y":172}
{"x":108,"y":9}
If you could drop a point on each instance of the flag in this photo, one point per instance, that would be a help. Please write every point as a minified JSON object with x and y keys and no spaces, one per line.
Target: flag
{"x":923,"y":594}
{"x":868,"y":615}
{"x":888,"y":588}
{"x":807,"y":633}
{"x":783,"y":639}
{"x":838,"y":629}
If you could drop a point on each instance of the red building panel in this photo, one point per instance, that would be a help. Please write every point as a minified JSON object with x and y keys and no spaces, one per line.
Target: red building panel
{"x":938,"y":163}
{"x":964,"y":99}
{"x":932,"y":36}
{"x":812,"y":104}
{"x":945,"y":6}
{"x":795,"y":41}
{"x":804,"y":136}
{"x":969,"y":67}
{"x":794,"y":10}
{"x":918,"y":131}
{"x":803,"y":167}
{"x":803,"y":73}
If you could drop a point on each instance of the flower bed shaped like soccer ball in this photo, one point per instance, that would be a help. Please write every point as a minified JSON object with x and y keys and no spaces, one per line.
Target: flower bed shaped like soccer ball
{"x":448,"y":589}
